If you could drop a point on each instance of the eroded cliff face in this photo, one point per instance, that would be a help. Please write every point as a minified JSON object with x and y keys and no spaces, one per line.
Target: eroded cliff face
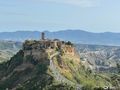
{"x":31,"y":69}
{"x":25,"y":72}
{"x":41,"y":68}
{"x":102,"y":58}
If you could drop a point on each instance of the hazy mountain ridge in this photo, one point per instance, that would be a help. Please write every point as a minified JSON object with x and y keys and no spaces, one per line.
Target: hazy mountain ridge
{"x":77,"y":36}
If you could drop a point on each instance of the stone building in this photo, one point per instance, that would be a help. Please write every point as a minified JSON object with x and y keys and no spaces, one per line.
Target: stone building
{"x":43,"y":36}
{"x":44,"y":44}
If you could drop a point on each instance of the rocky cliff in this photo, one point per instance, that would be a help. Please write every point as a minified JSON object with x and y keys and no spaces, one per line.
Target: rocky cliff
{"x":48,"y":69}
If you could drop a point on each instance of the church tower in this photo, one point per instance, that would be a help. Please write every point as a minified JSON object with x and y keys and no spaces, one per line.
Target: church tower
{"x":43,"y":36}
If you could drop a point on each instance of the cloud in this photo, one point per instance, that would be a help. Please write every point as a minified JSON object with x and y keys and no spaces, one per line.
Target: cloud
{"x":81,"y":3}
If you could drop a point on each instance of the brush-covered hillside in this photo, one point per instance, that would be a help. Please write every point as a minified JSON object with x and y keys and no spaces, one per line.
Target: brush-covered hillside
{"x":42,"y":65}
{"x":8,"y":49}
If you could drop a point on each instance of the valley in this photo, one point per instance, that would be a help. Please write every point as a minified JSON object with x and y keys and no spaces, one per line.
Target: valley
{"x":8,"y":49}
{"x":101,"y":57}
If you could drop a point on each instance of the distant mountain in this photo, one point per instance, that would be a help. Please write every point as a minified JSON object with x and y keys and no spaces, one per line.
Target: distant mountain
{"x":76,"y":36}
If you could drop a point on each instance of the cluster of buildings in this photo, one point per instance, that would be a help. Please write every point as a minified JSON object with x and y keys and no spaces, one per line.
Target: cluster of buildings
{"x":42,"y":43}
{"x":48,"y":44}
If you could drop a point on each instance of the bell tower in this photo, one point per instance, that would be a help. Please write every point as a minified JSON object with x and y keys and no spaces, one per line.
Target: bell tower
{"x":43,"y":36}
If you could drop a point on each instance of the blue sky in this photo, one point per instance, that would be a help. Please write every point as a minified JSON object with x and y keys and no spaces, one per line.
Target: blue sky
{"x":53,"y":15}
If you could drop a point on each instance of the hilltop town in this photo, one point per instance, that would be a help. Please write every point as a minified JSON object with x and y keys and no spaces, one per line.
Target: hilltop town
{"x":49,"y":64}
{"x":34,"y":47}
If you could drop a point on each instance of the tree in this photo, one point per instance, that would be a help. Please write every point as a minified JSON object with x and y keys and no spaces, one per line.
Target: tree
{"x":69,"y":43}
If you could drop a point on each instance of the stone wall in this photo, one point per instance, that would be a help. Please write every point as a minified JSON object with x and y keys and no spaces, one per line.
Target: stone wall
{"x":43,"y":44}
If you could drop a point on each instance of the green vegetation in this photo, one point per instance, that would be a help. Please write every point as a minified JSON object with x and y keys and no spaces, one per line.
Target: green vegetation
{"x":77,"y":74}
{"x":25,"y":79}
{"x":34,"y":73}
{"x":69,"y":43}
